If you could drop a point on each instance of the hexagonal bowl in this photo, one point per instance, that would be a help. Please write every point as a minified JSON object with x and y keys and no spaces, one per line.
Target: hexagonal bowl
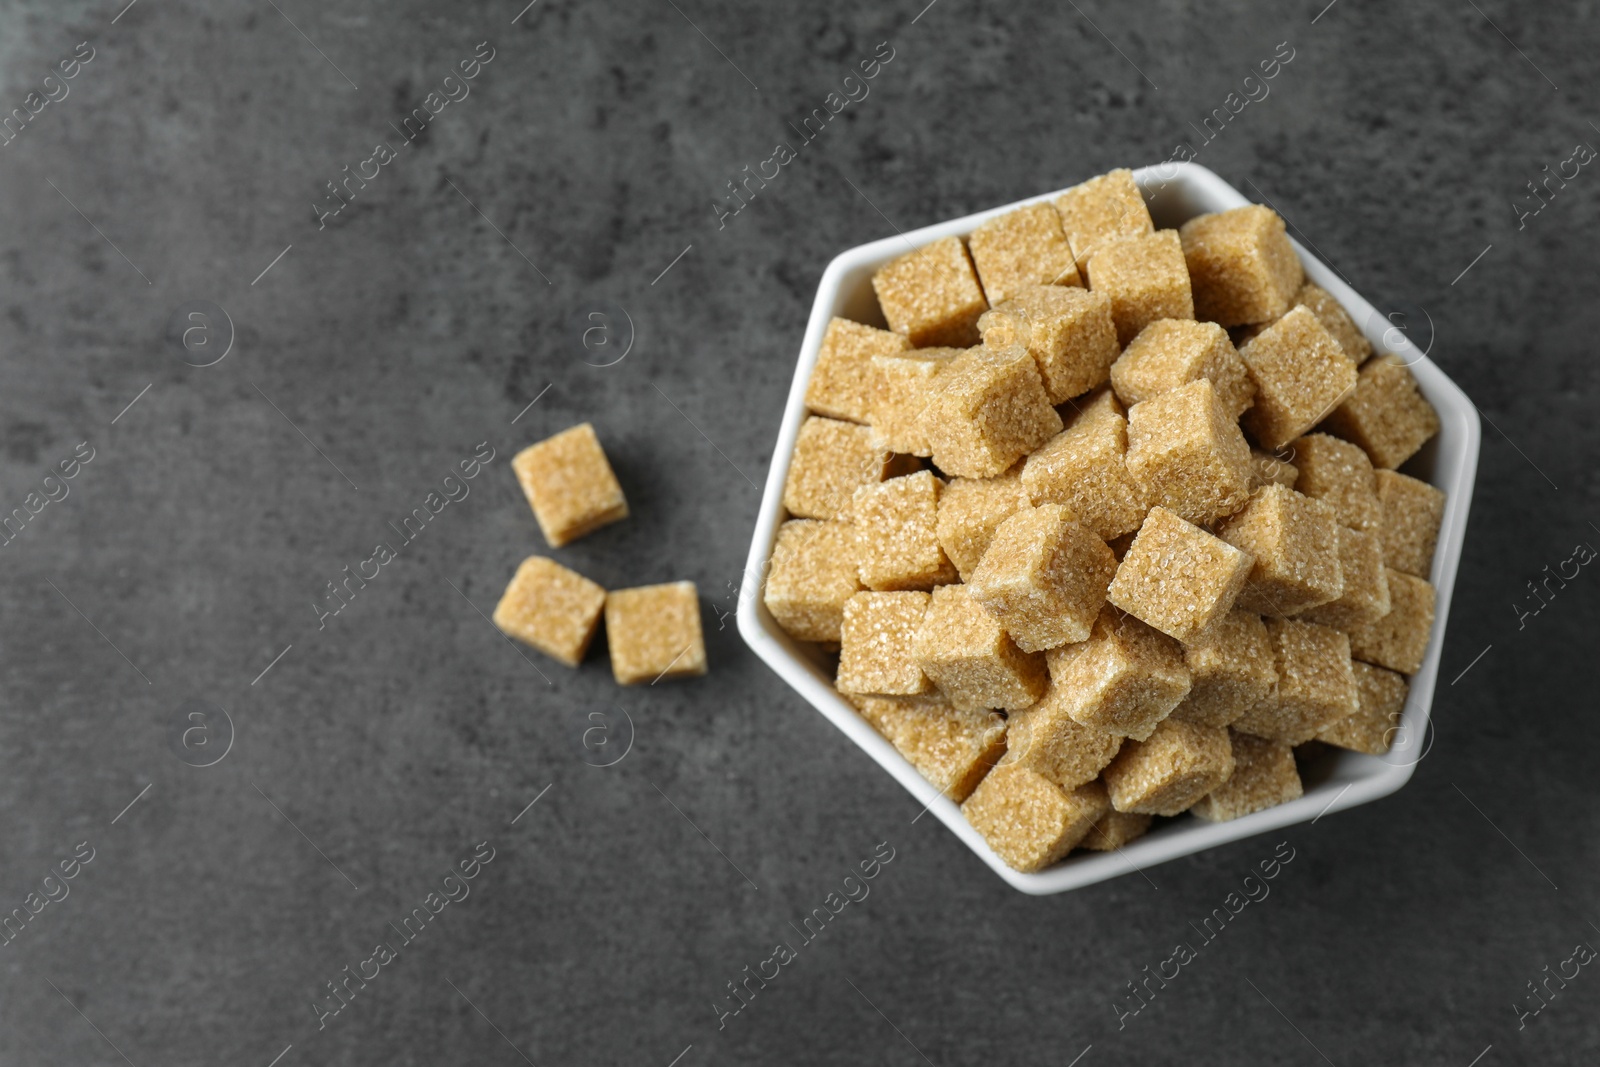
{"x":1175,"y":192}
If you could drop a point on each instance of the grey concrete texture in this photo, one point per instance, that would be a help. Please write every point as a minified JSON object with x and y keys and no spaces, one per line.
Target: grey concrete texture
{"x":374,"y":750}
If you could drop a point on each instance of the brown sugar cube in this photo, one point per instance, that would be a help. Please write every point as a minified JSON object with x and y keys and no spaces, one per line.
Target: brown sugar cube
{"x":971,"y":510}
{"x":1084,"y":468}
{"x":1316,"y":685}
{"x":897,"y":540}
{"x":1301,"y":376}
{"x":1352,"y":342}
{"x":903,"y":389}
{"x":932,"y":295}
{"x":1271,"y":470}
{"x":1048,"y":739}
{"x":1232,"y":673}
{"x":1188,"y":454}
{"x":1179,"y":578}
{"x":991,"y":410}
{"x":841,"y":383}
{"x":875,"y":645}
{"x":1044,"y":577}
{"x":1146,"y":279}
{"x":1399,"y":640}
{"x":1068,"y":332}
{"x":832,"y":459}
{"x":1124,"y":679}
{"x":551,"y":608}
{"x":1386,"y":415}
{"x":951,"y":749}
{"x":1028,"y":820}
{"x":1412,"y":511}
{"x":1102,"y":211}
{"x":812,"y":574}
{"x":1264,"y":776}
{"x":1242,"y":265}
{"x":1366,"y":590}
{"x":1340,"y":473}
{"x":654,"y":633}
{"x":1170,"y":353}
{"x":1372,"y":729}
{"x":971,"y":659}
{"x":1295,"y":542}
{"x":1115,"y":829}
{"x":570,"y":485}
{"x":1165,"y":774}
{"x":1021,"y":248}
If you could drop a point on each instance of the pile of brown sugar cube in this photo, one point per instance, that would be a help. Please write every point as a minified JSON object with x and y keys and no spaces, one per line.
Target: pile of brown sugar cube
{"x":1108,"y":521}
{"x":653,"y":631}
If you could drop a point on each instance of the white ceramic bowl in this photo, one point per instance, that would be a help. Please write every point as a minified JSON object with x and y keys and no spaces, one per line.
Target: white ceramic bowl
{"x":1175,"y":193}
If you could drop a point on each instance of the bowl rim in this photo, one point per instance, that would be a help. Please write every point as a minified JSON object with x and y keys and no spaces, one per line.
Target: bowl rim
{"x":1355,"y":778}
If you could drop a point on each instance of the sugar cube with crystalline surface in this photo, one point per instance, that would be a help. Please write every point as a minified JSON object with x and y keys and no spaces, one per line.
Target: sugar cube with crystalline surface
{"x":569,"y":484}
{"x":1021,"y":248}
{"x":554,"y":609}
{"x":932,"y":295}
{"x":654,"y":633}
{"x":1044,"y":577}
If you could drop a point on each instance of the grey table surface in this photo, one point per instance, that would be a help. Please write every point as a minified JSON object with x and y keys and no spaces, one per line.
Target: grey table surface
{"x":375,"y":346}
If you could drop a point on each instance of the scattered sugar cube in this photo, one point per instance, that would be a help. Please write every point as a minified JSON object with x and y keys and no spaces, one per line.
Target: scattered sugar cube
{"x":1179,"y":578}
{"x":1264,"y":776}
{"x":1412,"y":511}
{"x":1232,"y":673}
{"x":1242,"y":265}
{"x":811,"y":576}
{"x":1188,"y":454}
{"x":1124,"y":679}
{"x":1068,"y":332}
{"x":1372,"y":729}
{"x":1399,"y":640}
{"x":904,"y":387}
{"x":971,"y":510}
{"x":950,"y":748}
{"x":1271,"y":470}
{"x":1084,"y":468}
{"x":554,"y":609}
{"x":1366,"y":591}
{"x":1028,"y":820}
{"x":875,"y":645}
{"x":1115,"y":829}
{"x":1047,"y":738}
{"x":570,"y":485}
{"x":841,"y":382}
{"x":1386,"y":415}
{"x":971,"y":659}
{"x":831,"y":460}
{"x":932,"y":295}
{"x":1340,"y":473}
{"x":1044,"y":577}
{"x":1316,"y":685}
{"x":1301,"y":376}
{"x":897,"y":540}
{"x":1165,"y":774}
{"x":991,"y":410}
{"x":1331,"y":313}
{"x":1146,"y":279}
{"x":1170,"y":353}
{"x":1295,"y":543}
{"x":1102,"y":211}
{"x":654,"y":633}
{"x":1020,"y":248}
